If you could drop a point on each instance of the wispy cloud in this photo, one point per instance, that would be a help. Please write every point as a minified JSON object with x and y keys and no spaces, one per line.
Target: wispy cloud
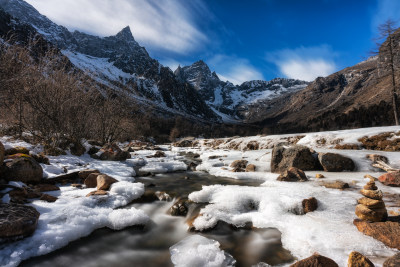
{"x":172,"y":63}
{"x":169,"y":25}
{"x":234,"y":69}
{"x":304,"y":63}
{"x":386,"y":9}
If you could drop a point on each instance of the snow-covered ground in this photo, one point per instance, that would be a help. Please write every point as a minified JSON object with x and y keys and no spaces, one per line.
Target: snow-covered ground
{"x":329,"y":230}
{"x":328,"y":139}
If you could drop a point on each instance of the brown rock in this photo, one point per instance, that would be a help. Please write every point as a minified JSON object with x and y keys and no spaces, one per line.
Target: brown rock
{"x":332,"y":162}
{"x":393,"y":261}
{"x":371,"y":203}
{"x":77,"y":148}
{"x":46,"y":187}
{"x":241,"y":164}
{"x":390,"y":179}
{"x":319,"y":176}
{"x":315,"y":260}
{"x":17,"y":221}
{"x":375,"y":157}
{"x":309,"y":204}
{"x":180,"y":208}
{"x":372,"y":215}
{"x":374,"y":194}
{"x":251,"y":168}
{"x":41,"y":158}
{"x":237,"y":169}
{"x":48,"y":198}
{"x":370,"y":186}
{"x":294,"y":156}
{"x":104,"y":181}
{"x":77,"y":185}
{"x":335,"y":185}
{"x":293,"y":174}
{"x":97,"y":193}
{"x":356,"y":259}
{"x":2,"y":153}
{"x":387,"y":232}
{"x":91,"y":180}
{"x":85,"y":173}
{"x":24,"y":169}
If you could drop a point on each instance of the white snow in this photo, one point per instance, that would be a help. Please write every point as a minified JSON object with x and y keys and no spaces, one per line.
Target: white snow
{"x":171,"y":163}
{"x":329,"y":230}
{"x":96,"y":65}
{"x":73,"y":216}
{"x":328,"y":139}
{"x":199,"y":251}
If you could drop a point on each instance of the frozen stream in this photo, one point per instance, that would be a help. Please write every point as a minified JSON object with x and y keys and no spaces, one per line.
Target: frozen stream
{"x":149,"y":245}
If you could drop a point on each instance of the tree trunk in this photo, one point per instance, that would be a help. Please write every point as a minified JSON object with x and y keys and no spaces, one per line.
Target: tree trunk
{"x":394,"y":92}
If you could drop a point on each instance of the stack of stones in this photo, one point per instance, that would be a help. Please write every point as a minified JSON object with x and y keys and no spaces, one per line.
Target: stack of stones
{"x":371,"y":207}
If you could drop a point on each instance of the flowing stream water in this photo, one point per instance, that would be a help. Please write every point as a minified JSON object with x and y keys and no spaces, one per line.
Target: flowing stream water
{"x":149,"y":245}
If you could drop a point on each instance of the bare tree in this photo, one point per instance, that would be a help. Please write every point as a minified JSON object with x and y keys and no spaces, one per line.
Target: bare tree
{"x":386,"y":31}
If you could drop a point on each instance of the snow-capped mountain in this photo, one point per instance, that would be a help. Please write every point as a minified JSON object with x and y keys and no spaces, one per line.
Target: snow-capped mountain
{"x":230,"y":99}
{"x":120,"y":63}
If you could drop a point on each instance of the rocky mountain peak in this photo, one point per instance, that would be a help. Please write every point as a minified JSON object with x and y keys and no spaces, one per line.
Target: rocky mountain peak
{"x":125,"y":34}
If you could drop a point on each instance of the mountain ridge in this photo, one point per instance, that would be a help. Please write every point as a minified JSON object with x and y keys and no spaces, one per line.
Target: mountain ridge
{"x":129,"y":65}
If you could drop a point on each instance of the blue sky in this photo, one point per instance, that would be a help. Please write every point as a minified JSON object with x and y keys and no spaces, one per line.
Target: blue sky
{"x":240,"y":40}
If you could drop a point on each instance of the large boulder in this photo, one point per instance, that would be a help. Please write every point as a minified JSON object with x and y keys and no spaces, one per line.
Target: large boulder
{"x":112,"y":152}
{"x":315,"y":260}
{"x":387,"y":232}
{"x":2,"y":151}
{"x":77,"y":149}
{"x":24,"y":169}
{"x":332,"y":162}
{"x":91,"y":180}
{"x":85,"y":173}
{"x":104,"y":181}
{"x":393,"y":261}
{"x":390,"y":179}
{"x":17,"y":221}
{"x":357,"y":259}
{"x":293,"y":174}
{"x":294,"y":156}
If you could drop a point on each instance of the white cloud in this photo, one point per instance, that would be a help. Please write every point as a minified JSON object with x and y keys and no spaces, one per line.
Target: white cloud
{"x":306,"y":70}
{"x":171,"y":63}
{"x":234,"y":69}
{"x":167,"y":25}
{"x":304,"y":63}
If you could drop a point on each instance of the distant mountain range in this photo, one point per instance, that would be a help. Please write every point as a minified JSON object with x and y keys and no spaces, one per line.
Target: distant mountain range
{"x":119,"y":62}
{"x":354,"y":97}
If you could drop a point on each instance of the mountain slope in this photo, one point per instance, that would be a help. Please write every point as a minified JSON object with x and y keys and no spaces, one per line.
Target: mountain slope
{"x":128,"y":65}
{"x":358,"y":96}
